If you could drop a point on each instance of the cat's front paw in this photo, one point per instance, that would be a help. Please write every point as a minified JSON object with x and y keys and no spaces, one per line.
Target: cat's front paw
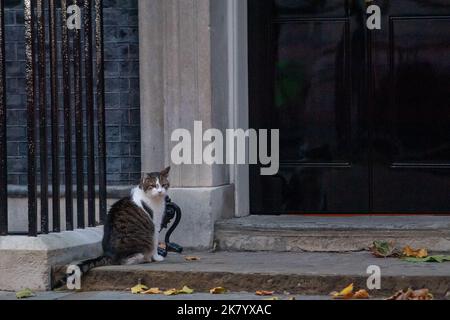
{"x":157,"y":258}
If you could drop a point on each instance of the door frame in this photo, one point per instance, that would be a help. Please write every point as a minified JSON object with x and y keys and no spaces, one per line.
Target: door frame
{"x":238,"y":95}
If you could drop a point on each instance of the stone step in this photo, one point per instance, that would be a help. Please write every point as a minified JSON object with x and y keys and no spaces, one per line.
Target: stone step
{"x":296,"y":273}
{"x":331,"y":234}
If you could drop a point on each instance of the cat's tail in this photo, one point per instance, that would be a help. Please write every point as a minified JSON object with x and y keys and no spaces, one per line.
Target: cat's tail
{"x":82,"y":268}
{"x":87,"y":265}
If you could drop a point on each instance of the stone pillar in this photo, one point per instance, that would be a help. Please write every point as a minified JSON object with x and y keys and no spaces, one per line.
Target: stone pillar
{"x":184,"y":78}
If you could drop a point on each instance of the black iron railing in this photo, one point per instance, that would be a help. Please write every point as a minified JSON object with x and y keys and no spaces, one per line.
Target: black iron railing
{"x":75,"y":87}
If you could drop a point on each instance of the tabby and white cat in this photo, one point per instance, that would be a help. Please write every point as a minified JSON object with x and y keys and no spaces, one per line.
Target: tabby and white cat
{"x":133,"y":223}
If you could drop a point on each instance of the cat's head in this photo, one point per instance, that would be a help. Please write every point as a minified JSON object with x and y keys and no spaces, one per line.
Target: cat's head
{"x":156,"y":184}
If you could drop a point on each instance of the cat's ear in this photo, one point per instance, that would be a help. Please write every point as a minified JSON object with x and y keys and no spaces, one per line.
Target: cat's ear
{"x":143,"y":181}
{"x":165,"y":172}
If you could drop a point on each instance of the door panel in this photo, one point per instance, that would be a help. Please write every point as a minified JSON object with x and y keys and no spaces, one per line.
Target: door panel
{"x":302,"y":86}
{"x":411,"y":113}
{"x":310,"y":8}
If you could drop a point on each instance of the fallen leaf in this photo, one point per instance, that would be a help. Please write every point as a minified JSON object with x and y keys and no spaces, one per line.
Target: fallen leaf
{"x":264,"y":293}
{"x":346,"y":293}
{"x":186,"y":290}
{"x":140,"y":288}
{"x":218,"y":290}
{"x":384,"y":249}
{"x":419,"y":253}
{"x":153,"y":291}
{"x":192,"y":258}
{"x":173,"y":292}
{"x":438,"y":259}
{"x":292,"y":299}
{"x":422,"y":294}
{"x":25,"y":293}
{"x":170,"y":292}
{"x":361,"y":294}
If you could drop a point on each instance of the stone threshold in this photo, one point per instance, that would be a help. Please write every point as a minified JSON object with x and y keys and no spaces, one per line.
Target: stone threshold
{"x":296,"y":273}
{"x":331,"y":234}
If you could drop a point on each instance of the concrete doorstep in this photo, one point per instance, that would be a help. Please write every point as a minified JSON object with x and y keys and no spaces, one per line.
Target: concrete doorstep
{"x":291,"y":233}
{"x":307,"y":274}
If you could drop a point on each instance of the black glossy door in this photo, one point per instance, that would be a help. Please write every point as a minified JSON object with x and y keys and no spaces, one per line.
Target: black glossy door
{"x":364,"y":116}
{"x":411,"y":109}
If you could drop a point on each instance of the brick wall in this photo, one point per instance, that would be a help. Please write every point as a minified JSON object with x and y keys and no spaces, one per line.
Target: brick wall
{"x":122,"y":93}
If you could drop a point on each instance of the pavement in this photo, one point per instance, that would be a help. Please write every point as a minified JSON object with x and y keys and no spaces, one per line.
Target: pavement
{"x":304,"y":274}
{"x":117,"y":295}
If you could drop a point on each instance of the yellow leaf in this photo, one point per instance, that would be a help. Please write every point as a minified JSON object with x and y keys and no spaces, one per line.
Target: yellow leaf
{"x":361,"y":294}
{"x":419,"y":253}
{"x":346,"y":293}
{"x":25,"y":293}
{"x":192,"y":258}
{"x":152,"y":291}
{"x":186,"y":290}
{"x":170,"y":292}
{"x":264,"y":293}
{"x":218,"y":290}
{"x":140,"y":288}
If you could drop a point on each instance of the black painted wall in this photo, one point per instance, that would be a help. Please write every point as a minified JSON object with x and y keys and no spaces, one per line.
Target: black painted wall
{"x":122,"y":93}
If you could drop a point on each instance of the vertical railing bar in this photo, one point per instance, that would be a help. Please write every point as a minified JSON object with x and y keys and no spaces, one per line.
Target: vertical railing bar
{"x":55,"y":117}
{"x":3,"y":147}
{"x":100,"y":107}
{"x":89,"y":111}
{"x":67,"y":118}
{"x":31,"y":130}
{"x":42,"y":66}
{"x":78,"y":87}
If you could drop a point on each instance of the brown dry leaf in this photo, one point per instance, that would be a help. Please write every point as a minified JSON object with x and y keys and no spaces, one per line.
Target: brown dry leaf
{"x":361,"y":294}
{"x":419,"y":253}
{"x":218,"y":290}
{"x":153,"y":291}
{"x":422,"y":294}
{"x":192,"y":258}
{"x":264,"y":293}
{"x":346,"y":293}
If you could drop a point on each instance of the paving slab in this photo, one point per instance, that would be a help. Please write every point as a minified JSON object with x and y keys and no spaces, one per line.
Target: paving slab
{"x":297,"y":273}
